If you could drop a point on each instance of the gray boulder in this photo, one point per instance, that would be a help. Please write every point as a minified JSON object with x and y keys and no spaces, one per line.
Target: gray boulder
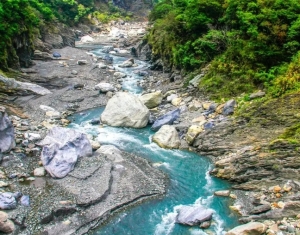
{"x":105,"y":87}
{"x":229,"y":107}
{"x":6,"y":225}
{"x":7,"y":201}
{"x":119,"y":75}
{"x":127,"y":110}
{"x":7,"y":136}
{"x":193,"y":215}
{"x":166,"y":119}
{"x":61,"y":149}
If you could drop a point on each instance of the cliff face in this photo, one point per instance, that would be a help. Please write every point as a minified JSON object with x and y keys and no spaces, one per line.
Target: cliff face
{"x":137,"y":7}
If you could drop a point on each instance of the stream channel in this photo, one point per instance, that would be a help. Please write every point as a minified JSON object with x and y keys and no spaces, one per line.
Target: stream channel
{"x":190,"y":182}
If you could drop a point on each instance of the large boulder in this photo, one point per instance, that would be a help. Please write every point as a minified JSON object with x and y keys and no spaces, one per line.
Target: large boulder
{"x":127,"y":110}
{"x":167,"y":137}
{"x":193,"y":215}
{"x":166,"y":119}
{"x":7,"y":136}
{"x":151,"y":100}
{"x":252,"y":228}
{"x":61,"y":149}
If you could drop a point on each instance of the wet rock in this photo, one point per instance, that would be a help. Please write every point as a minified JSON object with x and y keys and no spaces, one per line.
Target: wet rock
{"x":6,"y":225}
{"x":7,"y":201}
{"x":228,"y":108}
{"x":167,"y":137}
{"x":61,"y":149}
{"x":152,"y":100}
{"x":253,"y":228}
{"x":7,"y":136}
{"x":125,"y":109}
{"x":193,"y":215}
{"x":166,"y":119}
{"x":105,"y":87}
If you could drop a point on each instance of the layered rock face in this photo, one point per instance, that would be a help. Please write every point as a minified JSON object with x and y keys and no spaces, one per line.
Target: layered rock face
{"x":127,"y":110}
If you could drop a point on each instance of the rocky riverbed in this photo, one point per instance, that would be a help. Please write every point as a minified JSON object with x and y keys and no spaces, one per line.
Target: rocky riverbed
{"x":245,"y":150}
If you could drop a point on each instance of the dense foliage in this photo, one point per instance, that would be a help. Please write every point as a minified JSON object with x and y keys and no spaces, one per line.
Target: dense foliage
{"x":249,"y":44}
{"x":21,"y":19}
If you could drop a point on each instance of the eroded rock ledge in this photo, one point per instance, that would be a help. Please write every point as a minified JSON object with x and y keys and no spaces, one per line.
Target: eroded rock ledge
{"x":88,"y":195}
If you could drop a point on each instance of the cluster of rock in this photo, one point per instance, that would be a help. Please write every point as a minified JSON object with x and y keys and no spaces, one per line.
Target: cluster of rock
{"x":85,"y":180}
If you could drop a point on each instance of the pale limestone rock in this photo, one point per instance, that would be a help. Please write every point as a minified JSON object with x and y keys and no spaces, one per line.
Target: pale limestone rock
{"x":152,"y":100}
{"x":192,"y":133}
{"x":167,"y":137}
{"x":127,"y":110}
{"x":252,"y":228}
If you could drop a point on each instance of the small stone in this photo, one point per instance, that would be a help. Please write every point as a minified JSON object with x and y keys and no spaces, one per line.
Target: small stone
{"x":6,"y":225}
{"x":277,"y":189}
{"x":53,"y":114}
{"x":25,"y":201}
{"x":222,"y":193}
{"x":82,"y":62}
{"x":278,"y":195}
{"x":205,"y":224}
{"x":30,"y":179}
{"x":206,"y":105}
{"x":65,"y":121}
{"x":287,"y":188}
{"x":95,"y":145}
{"x":39,"y":171}
{"x":74,"y":72}
{"x":66,"y":222}
{"x":3,"y":184}
{"x":280,"y":204}
{"x":236,"y":208}
{"x":68,"y":202}
{"x":233,"y":196}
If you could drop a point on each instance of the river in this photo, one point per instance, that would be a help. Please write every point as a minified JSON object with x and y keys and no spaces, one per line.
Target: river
{"x":190,"y":182}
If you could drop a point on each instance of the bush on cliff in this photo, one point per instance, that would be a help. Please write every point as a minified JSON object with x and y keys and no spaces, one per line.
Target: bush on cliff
{"x":250,"y":44}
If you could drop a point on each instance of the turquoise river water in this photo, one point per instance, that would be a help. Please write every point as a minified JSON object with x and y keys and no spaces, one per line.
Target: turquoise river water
{"x":190,"y":182}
